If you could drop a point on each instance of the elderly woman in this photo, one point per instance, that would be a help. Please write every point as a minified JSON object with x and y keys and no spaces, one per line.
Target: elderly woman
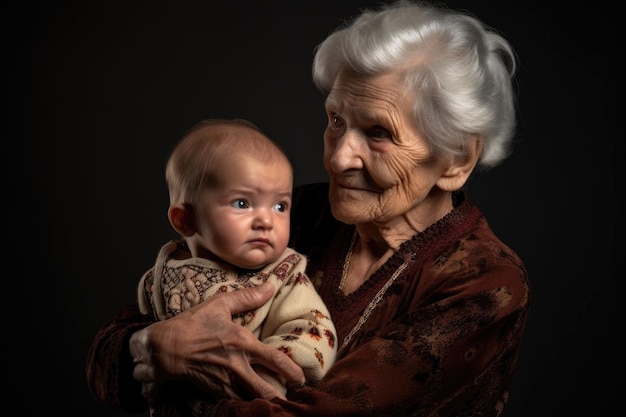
{"x":430,"y":306}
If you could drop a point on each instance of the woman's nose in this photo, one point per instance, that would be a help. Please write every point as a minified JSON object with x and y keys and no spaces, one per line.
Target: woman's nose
{"x":344,"y":154}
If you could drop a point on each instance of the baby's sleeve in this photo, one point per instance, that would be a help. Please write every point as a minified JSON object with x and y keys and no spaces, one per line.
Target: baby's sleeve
{"x":299,"y":324}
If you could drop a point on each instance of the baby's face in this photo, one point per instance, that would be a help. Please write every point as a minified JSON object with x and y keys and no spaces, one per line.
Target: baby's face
{"x":245,"y":219}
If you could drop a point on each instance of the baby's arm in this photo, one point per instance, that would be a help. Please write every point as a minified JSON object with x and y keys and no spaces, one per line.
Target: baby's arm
{"x":299,"y":325}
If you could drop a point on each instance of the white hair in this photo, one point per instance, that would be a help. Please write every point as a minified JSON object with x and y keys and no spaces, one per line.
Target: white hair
{"x":457,"y":70}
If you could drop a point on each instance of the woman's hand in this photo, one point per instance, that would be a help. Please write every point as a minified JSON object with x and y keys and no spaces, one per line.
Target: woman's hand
{"x":204,"y":346}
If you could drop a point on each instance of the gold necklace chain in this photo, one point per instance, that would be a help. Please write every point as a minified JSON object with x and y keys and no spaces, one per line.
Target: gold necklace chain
{"x":377,"y":298}
{"x":346,"y":263}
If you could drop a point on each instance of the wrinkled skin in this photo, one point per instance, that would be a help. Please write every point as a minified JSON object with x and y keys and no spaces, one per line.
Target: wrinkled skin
{"x":381,"y":168}
{"x":383,"y":175}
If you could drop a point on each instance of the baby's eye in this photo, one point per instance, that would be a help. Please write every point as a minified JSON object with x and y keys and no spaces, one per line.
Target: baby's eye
{"x":240,"y":203}
{"x":281,"y":207}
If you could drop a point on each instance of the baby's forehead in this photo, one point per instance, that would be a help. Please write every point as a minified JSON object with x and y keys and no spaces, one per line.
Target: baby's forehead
{"x":246,"y":171}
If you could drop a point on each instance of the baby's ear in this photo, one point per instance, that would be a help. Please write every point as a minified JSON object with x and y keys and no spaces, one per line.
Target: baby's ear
{"x":460,"y":167}
{"x":181,"y":219}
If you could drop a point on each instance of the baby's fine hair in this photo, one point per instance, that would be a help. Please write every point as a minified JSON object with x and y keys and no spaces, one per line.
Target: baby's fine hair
{"x":191,"y":165}
{"x":458,"y":71}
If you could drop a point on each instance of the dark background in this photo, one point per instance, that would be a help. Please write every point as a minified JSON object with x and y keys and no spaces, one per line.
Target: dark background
{"x":99,"y":91}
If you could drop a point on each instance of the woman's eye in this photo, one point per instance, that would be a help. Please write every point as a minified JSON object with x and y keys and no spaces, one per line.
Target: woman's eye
{"x":379,"y":133}
{"x":336,"y":121}
{"x":239,"y":203}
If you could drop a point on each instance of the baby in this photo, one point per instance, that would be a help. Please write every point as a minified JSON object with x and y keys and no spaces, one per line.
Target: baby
{"x":230,"y":190}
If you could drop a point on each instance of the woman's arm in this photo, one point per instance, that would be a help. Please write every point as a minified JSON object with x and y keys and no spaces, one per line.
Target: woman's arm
{"x":201,"y":345}
{"x":109,"y":365}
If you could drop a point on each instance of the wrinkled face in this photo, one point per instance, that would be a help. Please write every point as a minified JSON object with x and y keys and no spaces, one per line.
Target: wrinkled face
{"x":380,"y":167}
{"x":244,"y":220}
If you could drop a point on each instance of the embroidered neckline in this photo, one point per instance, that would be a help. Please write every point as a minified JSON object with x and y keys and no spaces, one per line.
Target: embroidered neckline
{"x":379,"y":295}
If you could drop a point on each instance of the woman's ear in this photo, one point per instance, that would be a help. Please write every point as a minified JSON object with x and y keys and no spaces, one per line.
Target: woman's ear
{"x":461,"y":167}
{"x":181,"y":219}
